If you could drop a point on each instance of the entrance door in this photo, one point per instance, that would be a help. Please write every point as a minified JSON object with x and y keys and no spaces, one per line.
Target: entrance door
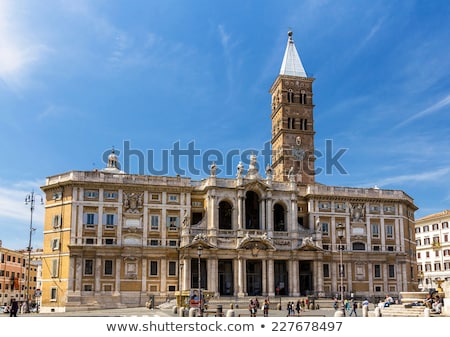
{"x":281,"y":278}
{"x":226,"y":287}
{"x":254,"y":278}
{"x":306,"y":278}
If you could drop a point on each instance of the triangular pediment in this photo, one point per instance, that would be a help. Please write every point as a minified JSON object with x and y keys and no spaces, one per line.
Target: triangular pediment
{"x":257,"y":185}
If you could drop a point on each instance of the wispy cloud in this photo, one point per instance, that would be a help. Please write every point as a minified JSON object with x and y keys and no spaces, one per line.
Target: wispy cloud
{"x":12,"y":201}
{"x":20,"y":50}
{"x":435,"y":107}
{"x":421,"y":177}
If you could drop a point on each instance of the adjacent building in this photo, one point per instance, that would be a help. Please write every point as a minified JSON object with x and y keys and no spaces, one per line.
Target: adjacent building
{"x":113,"y":239}
{"x":433,"y":250}
{"x":13,"y":276}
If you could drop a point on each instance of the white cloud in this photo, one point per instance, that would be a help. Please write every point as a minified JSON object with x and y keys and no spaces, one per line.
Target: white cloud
{"x":19,"y":49}
{"x":430,"y":176}
{"x":435,"y":107}
{"x":12,"y":206}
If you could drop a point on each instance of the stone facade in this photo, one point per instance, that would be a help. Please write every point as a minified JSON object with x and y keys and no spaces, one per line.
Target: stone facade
{"x":114,"y":239}
{"x":433,"y":249}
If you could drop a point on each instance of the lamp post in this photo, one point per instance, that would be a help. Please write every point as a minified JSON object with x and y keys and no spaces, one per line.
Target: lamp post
{"x":200,"y":303}
{"x":340,"y":229}
{"x":30,"y":199}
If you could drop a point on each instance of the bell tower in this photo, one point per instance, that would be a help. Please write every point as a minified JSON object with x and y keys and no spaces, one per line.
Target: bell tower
{"x":292,"y":120}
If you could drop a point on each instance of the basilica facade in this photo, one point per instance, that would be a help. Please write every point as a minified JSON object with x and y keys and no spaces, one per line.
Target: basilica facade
{"x":113,"y":239}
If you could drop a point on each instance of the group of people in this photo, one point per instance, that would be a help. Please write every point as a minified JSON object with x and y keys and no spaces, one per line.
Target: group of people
{"x":13,"y":309}
{"x":253,"y":307}
{"x":435,"y":304}
{"x":298,"y":307}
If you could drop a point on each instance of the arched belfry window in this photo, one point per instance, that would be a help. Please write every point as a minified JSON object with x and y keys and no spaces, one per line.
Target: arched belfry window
{"x":290,"y":96}
{"x":251,"y":210}
{"x":279,"y":219}
{"x":303,"y":97}
{"x":225,"y":211}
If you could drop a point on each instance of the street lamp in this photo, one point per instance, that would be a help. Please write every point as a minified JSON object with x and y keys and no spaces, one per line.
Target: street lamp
{"x":340,"y":230}
{"x":200,"y":305}
{"x":30,"y":199}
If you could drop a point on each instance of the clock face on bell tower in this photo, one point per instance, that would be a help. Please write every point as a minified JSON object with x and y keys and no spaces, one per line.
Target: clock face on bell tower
{"x":292,"y":120}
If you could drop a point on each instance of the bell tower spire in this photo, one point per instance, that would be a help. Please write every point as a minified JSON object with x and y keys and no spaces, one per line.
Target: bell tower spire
{"x":292,"y":120}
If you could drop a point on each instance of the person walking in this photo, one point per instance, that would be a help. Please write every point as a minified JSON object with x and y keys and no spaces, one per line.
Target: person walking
{"x":266,"y":308}
{"x":354,"y":307}
{"x":14,"y":308}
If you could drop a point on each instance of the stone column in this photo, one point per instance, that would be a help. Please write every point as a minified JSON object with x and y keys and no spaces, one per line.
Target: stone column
{"x":264,"y":275}
{"x":144,"y":263}
{"x":120,"y":218}
{"x":241,"y":289}
{"x":269,"y":211}
{"x":163,"y":277}
{"x":262,"y":214}
{"x":270,"y":274}
{"x":78,"y":273}
{"x":98,"y":273}
{"x":240,"y":210}
{"x":117,"y":276}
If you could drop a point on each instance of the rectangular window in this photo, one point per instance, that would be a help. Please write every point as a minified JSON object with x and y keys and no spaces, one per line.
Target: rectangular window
{"x":172,"y":268}
{"x":108,"y":264}
{"x":110,"y":219}
{"x":154,"y":222}
{"x":56,"y":221}
{"x":388,"y":209}
{"x":53,"y":293}
{"x":377,"y":271}
{"x":326,"y":270}
{"x":90,"y":219}
{"x":87,"y":287}
{"x":339,"y":207}
{"x":109,"y":241}
{"x":325,"y":228}
{"x":172,"y":223}
{"x":391,"y":271}
{"x":110,"y":195}
{"x":173,"y":198}
{"x":88,"y":267}
{"x":55,"y":267}
{"x":375,"y":230}
{"x":91,"y":194}
{"x":54,"y":243}
{"x":153,"y":268}
{"x":389,"y":231}
{"x":154,"y":242}
{"x":90,"y":241}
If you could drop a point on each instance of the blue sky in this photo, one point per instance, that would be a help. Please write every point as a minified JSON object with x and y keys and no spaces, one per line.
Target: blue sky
{"x":78,"y":77}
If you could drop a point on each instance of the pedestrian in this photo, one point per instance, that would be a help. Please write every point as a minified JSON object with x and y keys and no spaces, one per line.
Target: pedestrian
{"x":14,"y":308}
{"x":354,"y":307}
{"x":266,"y":308}
{"x":335,"y":304}
{"x":252,"y":308}
{"x":298,"y":308}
